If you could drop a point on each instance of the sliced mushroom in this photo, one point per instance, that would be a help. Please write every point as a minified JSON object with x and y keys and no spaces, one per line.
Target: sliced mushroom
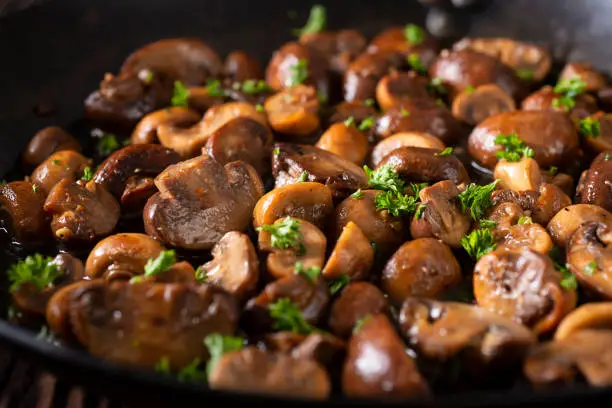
{"x":46,"y":142}
{"x":473,"y":106}
{"x":359,"y":111}
{"x":310,"y":250}
{"x":294,"y":111}
{"x":589,"y":255}
{"x":199,"y":200}
{"x":121,"y":255}
{"x":588,"y":316}
{"x":346,"y":141}
{"x":235,"y":266}
{"x":356,"y":301}
{"x":138,"y":324}
{"x":397,"y":88}
{"x":291,"y":161}
{"x":60,"y":165}
{"x":552,"y":135}
{"x":363,"y":74}
{"x":563,"y":225}
{"x":544,"y":99}
{"x":518,"y":176}
{"x":414,"y":139}
{"x":602,"y":141}
{"x":441,"y":216}
{"x":174,"y":116}
{"x":256,"y":371}
{"x":425,"y":165}
{"x":308,"y":201}
{"x":596,"y":186}
{"x":280,"y":72}
{"x":593,"y":79}
{"x":21,"y":211}
{"x":353,"y":255}
{"x":239,"y":66}
{"x":524,"y":286}
{"x":81,"y":212}
{"x":377,"y":364}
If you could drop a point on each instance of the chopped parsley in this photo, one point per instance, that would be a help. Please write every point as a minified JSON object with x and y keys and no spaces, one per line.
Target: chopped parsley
{"x":478,"y":243}
{"x":87,"y":174}
{"x":590,"y":268}
{"x":276,"y":151}
{"x":469,"y":89}
{"x":288,"y":317}
{"x":414,"y":34}
{"x":350,"y":121}
{"x":568,"y":279}
{"x":524,"y":220}
{"x":56,"y":162}
{"x":357,"y":195}
{"x":336,"y":285}
{"x":285,"y":234}
{"x":260,"y":108}
{"x":419,"y":211}
{"x":213,"y":88}
{"x":366,"y":124}
{"x":303,"y":177}
{"x":369,"y":102}
{"x":414,"y":60}
{"x":192,"y":372}
{"x":487,"y":224}
{"x":384,"y":178}
{"x":201,"y":274}
{"x":607,"y":157}
{"x":299,"y":72}
{"x":525,"y":74}
{"x":405,"y":113}
{"x":514,"y":148}
{"x":477,"y":199}
{"x":359,"y":324}
{"x":180,"y":96}
{"x":254,"y":87}
{"x":322,"y":98}
{"x":217,"y":345}
{"x":436,"y":86}
{"x":107,"y":144}
{"x":568,"y":90}
{"x":590,"y":127}
{"x":163,"y":365}
{"x":397,"y":204}
{"x":317,"y":21}
{"x":446,"y":152}
{"x":416,"y":188}
{"x":35,"y":269}
{"x":162,"y":263}
{"x":35,"y":188}
{"x":312,"y":273}
{"x":553,"y":170}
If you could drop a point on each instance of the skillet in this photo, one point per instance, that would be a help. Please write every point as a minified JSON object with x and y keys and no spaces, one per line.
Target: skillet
{"x":56,"y":53}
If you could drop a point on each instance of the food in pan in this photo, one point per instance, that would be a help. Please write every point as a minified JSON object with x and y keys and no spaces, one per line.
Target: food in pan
{"x":379,"y":218}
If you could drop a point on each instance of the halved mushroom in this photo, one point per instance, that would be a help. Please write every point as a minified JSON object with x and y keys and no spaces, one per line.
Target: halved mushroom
{"x":473,"y":106}
{"x":596,"y":185}
{"x":175,"y":116}
{"x":356,"y":301}
{"x":291,"y":161}
{"x":478,"y":340}
{"x":261,"y":372}
{"x":280,"y":72}
{"x":346,"y":141}
{"x":589,"y":255}
{"x":60,"y":165}
{"x":551,"y":134}
{"x":46,"y":142}
{"x":424,"y":267}
{"x":544,"y":99}
{"x":522,"y":285}
{"x":310,"y":250}
{"x":339,"y":47}
{"x":57,"y":312}
{"x":363,"y":74}
{"x":121,"y":255}
{"x":359,"y":111}
{"x":518,"y":176}
{"x":294,"y":111}
{"x":565,"y":223}
{"x":308,"y":201}
{"x":414,"y":139}
{"x":593,"y":79}
{"x":321,"y":347}
{"x":377,"y":364}
{"x":397,"y":88}
{"x":239,"y":66}
{"x":235,"y":266}
{"x":139,"y":324}
{"x":602,"y":141}
{"x":353,"y":255}
{"x":529,"y":235}
{"x":419,"y":164}
{"x":542,"y":204}
{"x":441,"y":216}
{"x":199,"y":200}
{"x":21,"y":211}
{"x":188,"y":142}
{"x":589,"y":316}
{"x":80,"y":211}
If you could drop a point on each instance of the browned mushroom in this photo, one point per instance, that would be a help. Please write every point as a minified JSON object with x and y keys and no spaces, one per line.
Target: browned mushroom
{"x":596,"y":315}
{"x":291,"y":57}
{"x":57,"y":311}
{"x":473,"y":106}
{"x":46,"y":142}
{"x":394,"y":39}
{"x":551,"y":134}
{"x":546,"y":99}
{"x":524,"y":286}
{"x":415,"y":139}
{"x":359,"y":111}
{"x":175,"y":116}
{"x":346,"y":141}
{"x":352,"y":256}
{"x":593,"y":79}
{"x":199,"y":200}
{"x":356,"y":301}
{"x":292,"y":162}
{"x":363,"y":74}
{"x":377,"y":364}
{"x":294,"y":111}
{"x":261,"y":372}
{"x":60,"y":165}
{"x":518,"y":176}
{"x":596,"y":186}
{"x":21,"y":211}
{"x":527,"y":235}
{"x":321,"y":347}
{"x":397,"y":88}
{"x":80,"y":211}
{"x":563,"y":225}
{"x":563,"y":181}
{"x":600,"y":140}
{"x":240,"y":66}
{"x":441,"y":216}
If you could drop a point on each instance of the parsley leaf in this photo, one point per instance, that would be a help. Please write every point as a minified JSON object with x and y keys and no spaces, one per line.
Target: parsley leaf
{"x":180,"y":96}
{"x":436,"y":86}
{"x":213,"y":88}
{"x":568,"y":90}
{"x":35,"y":269}
{"x":384,"y":178}
{"x":369,"y":102}
{"x":350,"y":121}
{"x":414,"y":34}
{"x":357,"y":195}
{"x":397,"y":204}
{"x":192,"y":373}
{"x":552,"y":170}
{"x":201,"y":274}
{"x":312,"y":273}
{"x":336,"y":285}
{"x":524,"y":74}
{"x":590,"y":127}
{"x":361,"y":322}
{"x":524,"y":220}
{"x":217,"y":345}
{"x":35,"y":188}
{"x":299,"y":72}
{"x":366,"y":124}
{"x":568,"y":279}
{"x":477,"y":199}
{"x":317,"y":21}
{"x":260,"y":108}
{"x":446,"y":152}
{"x":163,"y":365}
{"x":303,"y":177}
{"x":478,"y":243}
{"x":590,"y":268}
{"x":469,"y":89}
{"x":419,"y":211}
{"x":414,"y":60}
{"x":253,"y":87}
{"x":288,"y":317}
{"x":87,"y":174}
{"x":162,"y":263}
{"x":285,"y":234}
{"x":405,"y":112}
{"x":514,"y":148}
{"x":487,"y":224}
{"x":108,"y":143}
{"x":416,"y":188}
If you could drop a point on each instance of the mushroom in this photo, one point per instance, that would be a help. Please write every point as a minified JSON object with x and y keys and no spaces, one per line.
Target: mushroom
{"x":356,"y":301}
{"x":594,"y":80}
{"x":394,"y":39}
{"x":565,"y":223}
{"x":518,"y":176}
{"x":563,"y":181}
{"x":60,"y":165}
{"x":480,"y":341}
{"x":145,"y":131}
{"x":353,"y":255}
{"x":138,"y":189}
{"x":504,"y":214}
{"x":601,"y":141}
{"x":308,"y":201}
{"x":281,"y":70}
{"x":321,"y":347}
{"x":364,"y":72}
{"x":522,"y":285}
{"x":121,"y":255}
{"x":419,"y":164}
{"x":473,"y":106}
{"x":359,"y":111}
{"x":199,"y":200}
{"x":589,"y":255}
{"x":424,"y":267}
{"x":441,"y":215}
{"x":239,"y":66}
{"x":529,"y":235}
{"x":292,"y":161}
{"x":234,"y":267}
{"x":414,"y":139}
{"x":397,"y":88}
{"x":339,"y":47}
{"x":345,"y":141}
{"x":139,"y":324}
{"x":21,"y":211}
{"x":586,"y":317}
{"x":528,"y":60}
{"x":46,"y":142}
{"x":596,"y":186}
{"x":189,"y":142}
{"x":551,"y":134}
{"x":377,"y":364}
{"x":81,"y":211}
{"x":294,"y":111}
{"x":546,"y":99}
{"x":260,"y":372}
{"x":309,"y":249}
{"x":57,"y":312}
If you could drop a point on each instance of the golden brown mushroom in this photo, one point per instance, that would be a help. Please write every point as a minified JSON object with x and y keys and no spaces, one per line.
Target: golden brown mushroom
{"x":596,"y":315}
{"x":563,"y":225}
{"x":345,"y":141}
{"x":21,"y":211}
{"x":174,"y":116}
{"x":352,"y":256}
{"x":401,"y":139}
{"x":294,"y":111}
{"x":473,"y":106}
{"x":60,"y":165}
{"x":46,"y":142}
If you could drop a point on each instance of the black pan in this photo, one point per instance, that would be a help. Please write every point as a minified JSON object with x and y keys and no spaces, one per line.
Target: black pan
{"x":55,"y":54}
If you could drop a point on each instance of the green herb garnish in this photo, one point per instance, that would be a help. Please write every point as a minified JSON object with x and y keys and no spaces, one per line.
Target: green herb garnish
{"x":260,"y":108}
{"x":369,"y":102}
{"x":35,"y":269}
{"x":350,"y":121}
{"x":87,"y":174}
{"x":254,"y":87}
{"x":405,"y":113}
{"x":487,"y":224}
{"x":213,"y":88}
{"x":436,"y":86}
{"x":446,"y":152}
{"x":384,"y":178}
{"x":553,"y":170}
{"x":477,"y":199}
{"x":357,"y":195}
{"x":303,"y":177}
{"x":397,"y":204}
{"x":299,"y":72}
{"x":312,"y":273}
{"x":366,"y":124}
{"x":336,"y":285}
{"x":288,"y":317}
{"x":525,"y":74}
{"x":590,"y":127}
{"x":107,"y":144}
{"x":590,"y":268}
{"x":361,"y":322}
{"x":568,"y":90}
{"x":514,"y":148}
{"x":524,"y":220}
{"x":469,"y":89}
{"x":414,"y":60}
{"x":317,"y":21}
{"x":218,"y":345}
{"x":180,"y":96}
{"x":201,"y":274}
{"x":276,"y":151}
{"x":162,"y":263}
{"x":285,"y":234}
{"x":163,"y":365}
{"x":478,"y":243}
{"x":568,"y":279}
{"x":192,"y":373}
{"x":414,"y":34}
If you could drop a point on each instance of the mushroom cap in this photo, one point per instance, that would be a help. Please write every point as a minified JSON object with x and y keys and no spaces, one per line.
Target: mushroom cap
{"x":347,"y":142}
{"x":401,"y":139}
{"x":596,"y":315}
{"x":46,"y":142}
{"x":473,"y":106}
{"x":596,"y":185}
{"x":176,"y":116}
{"x":563,"y":225}
{"x":21,"y":211}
